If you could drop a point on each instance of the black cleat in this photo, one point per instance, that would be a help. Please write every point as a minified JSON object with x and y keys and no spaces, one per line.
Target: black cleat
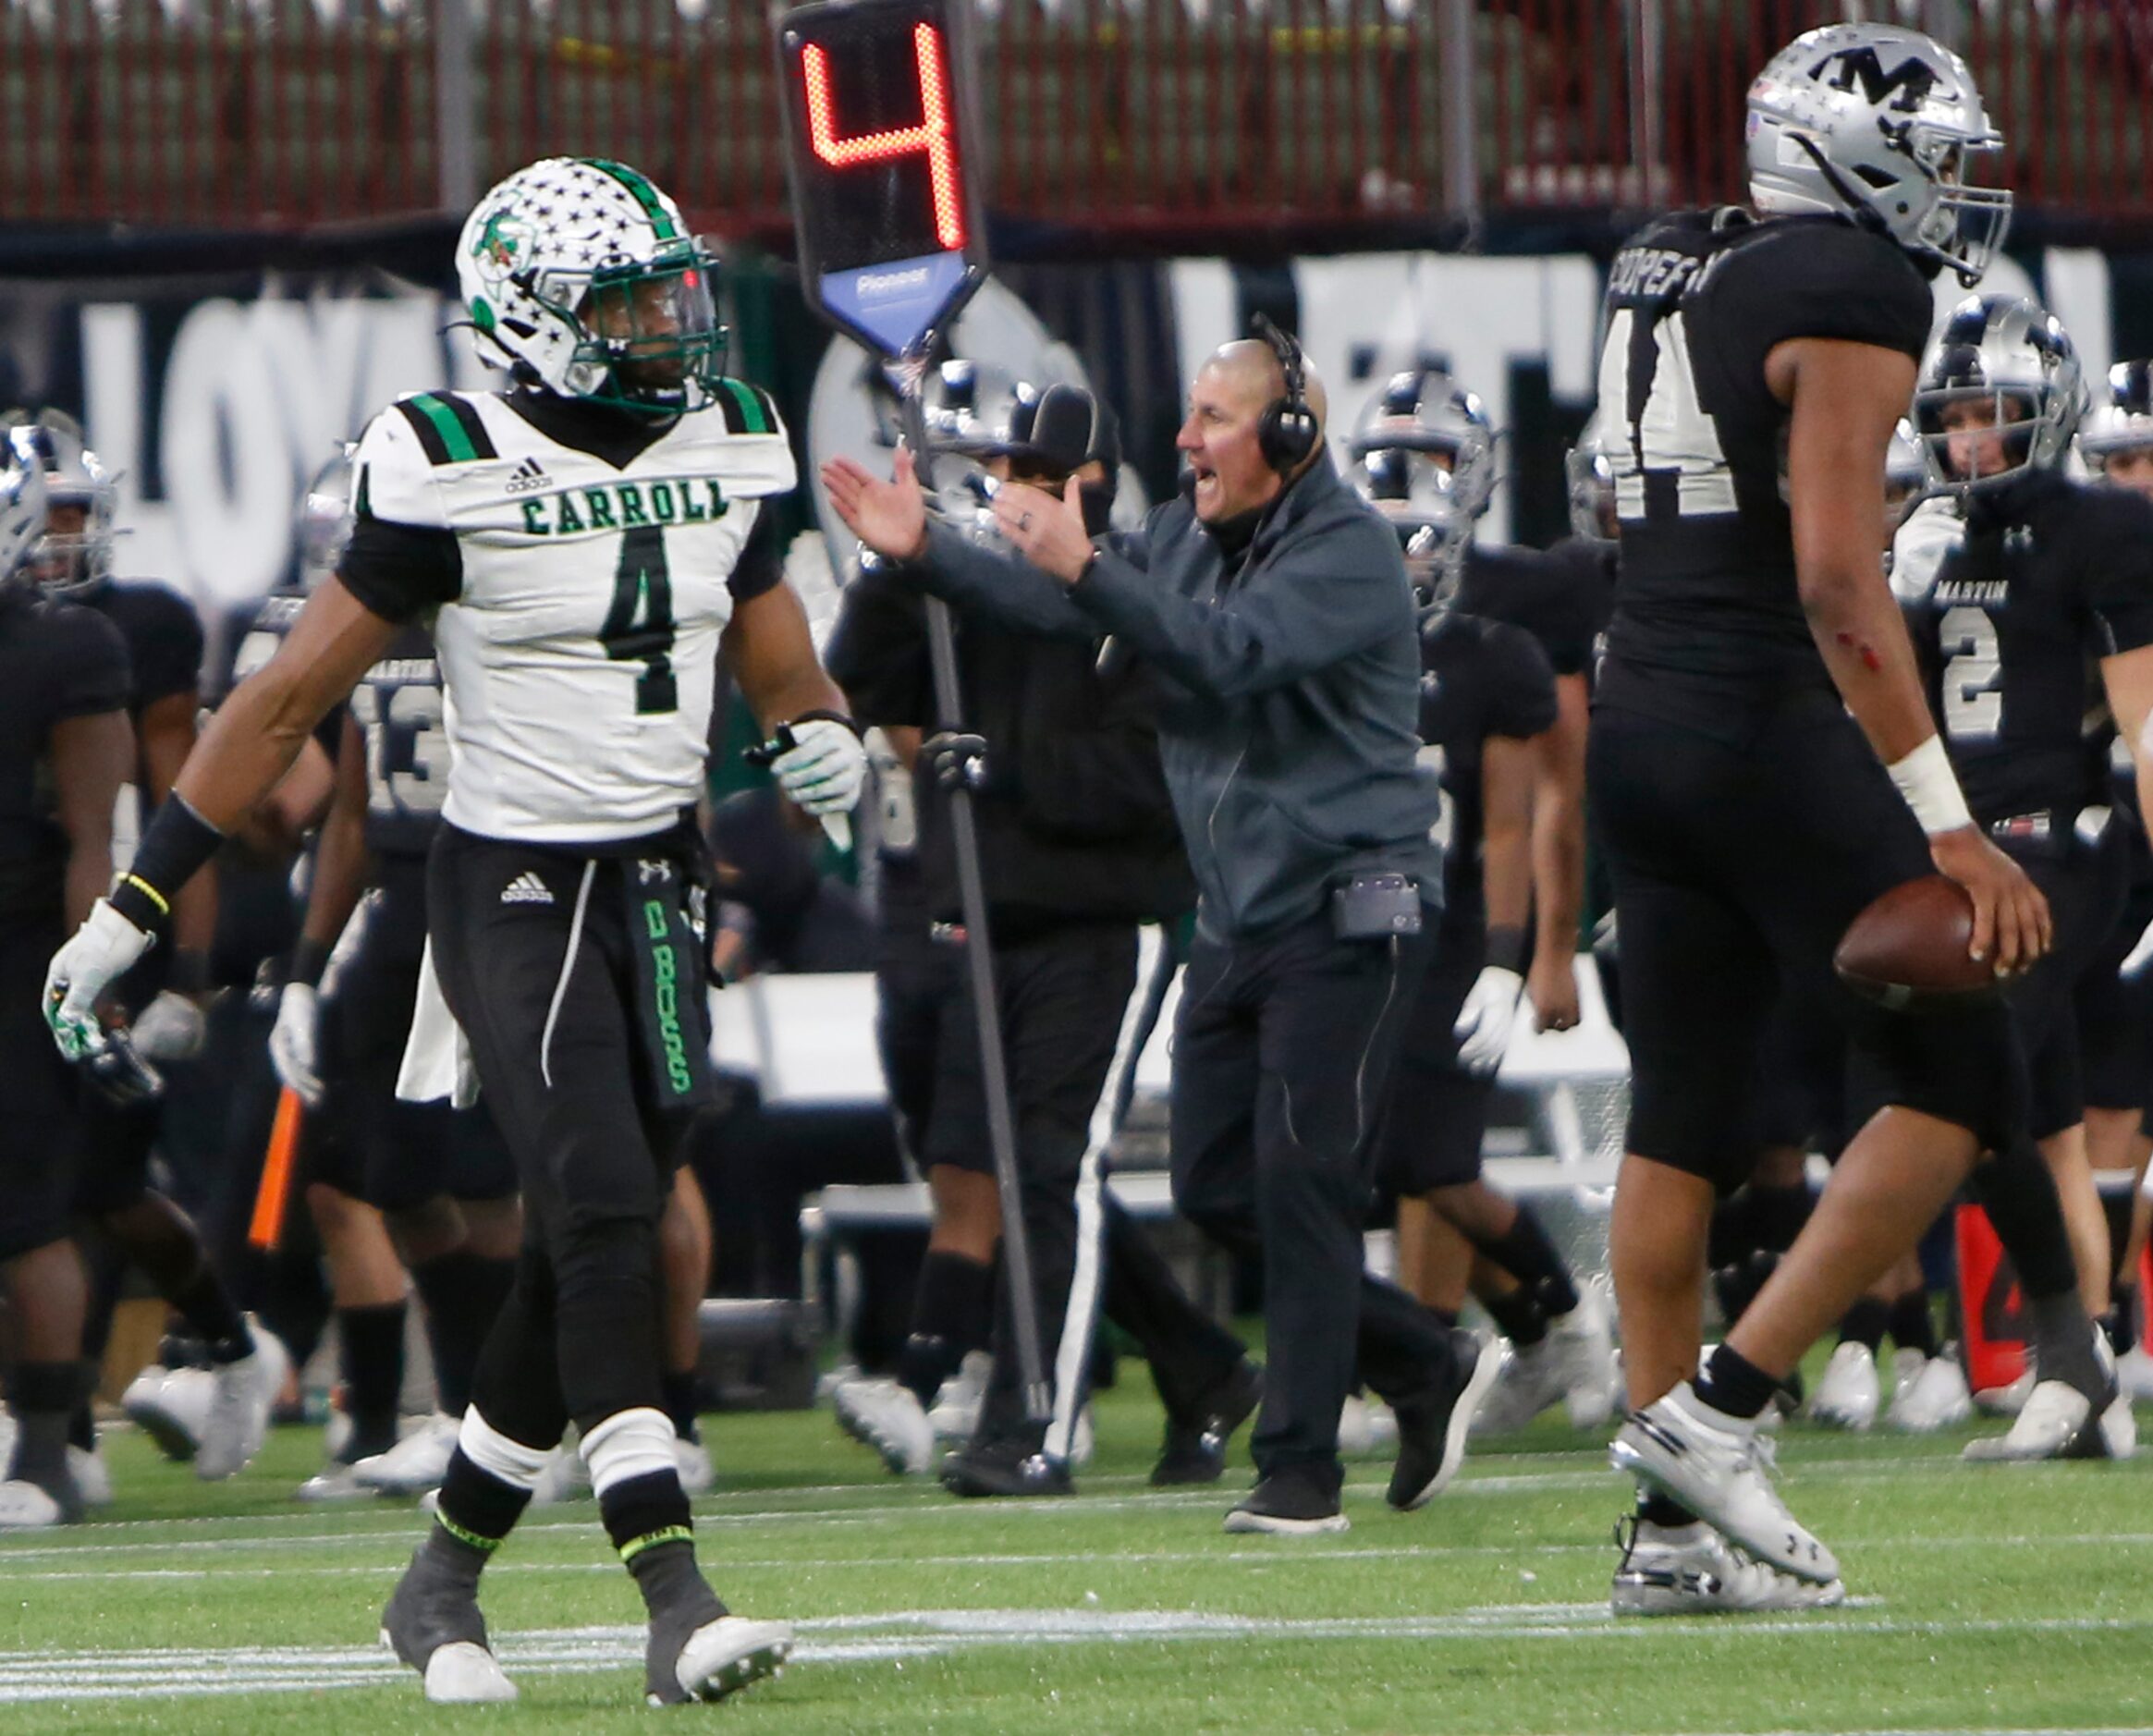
{"x":1432,"y":1425}
{"x":1004,"y":1467}
{"x":432,"y":1623}
{"x":1289,"y":1503}
{"x":1196,"y":1451}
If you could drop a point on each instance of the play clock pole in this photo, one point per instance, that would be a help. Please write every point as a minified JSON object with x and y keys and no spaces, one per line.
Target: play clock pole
{"x":886,"y":209}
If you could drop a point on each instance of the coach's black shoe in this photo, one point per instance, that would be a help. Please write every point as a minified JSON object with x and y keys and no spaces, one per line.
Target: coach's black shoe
{"x":1195,"y":1450}
{"x":1005,"y":1466}
{"x":432,"y":1623}
{"x":1289,"y":1503}
{"x":1432,"y":1426}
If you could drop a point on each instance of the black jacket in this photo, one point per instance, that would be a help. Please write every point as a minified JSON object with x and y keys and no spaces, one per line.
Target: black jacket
{"x":1290,"y":679}
{"x":1074,"y":823}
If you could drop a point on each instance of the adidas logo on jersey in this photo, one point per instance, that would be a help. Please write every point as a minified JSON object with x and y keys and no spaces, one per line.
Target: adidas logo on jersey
{"x":528,"y":475}
{"x":526,"y":888}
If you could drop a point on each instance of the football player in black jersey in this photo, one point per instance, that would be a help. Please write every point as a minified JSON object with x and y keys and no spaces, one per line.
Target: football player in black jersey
{"x":1561,"y":597}
{"x":1763,"y":764}
{"x":65,"y":751}
{"x":1487,"y":708}
{"x":2027,"y":595}
{"x":163,"y":642}
{"x":2115,"y":1014}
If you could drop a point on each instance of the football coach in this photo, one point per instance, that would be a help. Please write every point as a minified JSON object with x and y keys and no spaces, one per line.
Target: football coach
{"x":1274,"y":607}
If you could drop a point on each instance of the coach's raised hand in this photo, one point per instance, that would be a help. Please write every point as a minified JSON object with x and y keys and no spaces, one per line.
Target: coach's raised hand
{"x":890,"y":517}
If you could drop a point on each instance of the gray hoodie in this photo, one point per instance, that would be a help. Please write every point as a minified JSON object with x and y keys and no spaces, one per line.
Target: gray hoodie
{"x":1291,"y":671}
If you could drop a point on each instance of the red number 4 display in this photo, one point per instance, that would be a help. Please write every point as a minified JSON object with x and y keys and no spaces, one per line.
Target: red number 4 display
{"x":932,"y":136}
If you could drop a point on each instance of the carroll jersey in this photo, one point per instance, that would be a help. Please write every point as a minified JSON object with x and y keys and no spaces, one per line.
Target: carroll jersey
{"x":403,"y":720}
{"x":57,"y":662}
{"x":1708,"y":622}
{"x":2010,"y":618}
{"x":1556,"y":596}
{"x":1478,"y":679}
{"x":583,"y":564}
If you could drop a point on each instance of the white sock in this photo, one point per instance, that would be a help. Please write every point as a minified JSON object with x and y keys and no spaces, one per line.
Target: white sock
{"x":516,"y":1464}
{"x":628,"y":1444}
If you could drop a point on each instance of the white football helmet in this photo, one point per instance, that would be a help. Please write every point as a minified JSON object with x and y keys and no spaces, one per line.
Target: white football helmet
{"x":2006,"y":354}
{"x":580,"y":275}
{"x":22,"y":500}
{"x":1881,"y":122}
{"x":324,"y":518}
{"x":71,"y":562}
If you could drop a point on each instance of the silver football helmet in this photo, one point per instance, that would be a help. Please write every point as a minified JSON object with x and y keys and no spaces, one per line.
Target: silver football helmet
{"x":1424,"y":456}
{"x":2003,"y":354}
{"x":22,"y":501}
{"x":326,"y":515}
{"x":1591,"y":478}
{"x":1885,"y":123}
{"x":76,"y":561}
{"x":2122,"y":421}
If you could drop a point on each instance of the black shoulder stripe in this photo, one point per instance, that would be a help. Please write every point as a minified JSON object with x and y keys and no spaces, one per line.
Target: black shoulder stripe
{"x":449,"y":430}
{"x":748,"y":409}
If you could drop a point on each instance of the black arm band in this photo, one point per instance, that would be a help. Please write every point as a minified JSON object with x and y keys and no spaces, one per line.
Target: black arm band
{"x":178,"y":843}
{"x":831,"y":717}
{"x":308,"y":959}
{"x":1505,"y":947}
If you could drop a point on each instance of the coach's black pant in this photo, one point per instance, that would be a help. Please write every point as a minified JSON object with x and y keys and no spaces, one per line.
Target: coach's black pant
{"x":545,"y":988}
{"x":1283,"y":1049}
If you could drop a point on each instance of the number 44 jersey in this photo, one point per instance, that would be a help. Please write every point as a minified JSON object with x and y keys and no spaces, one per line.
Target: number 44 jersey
{"x":580,"y":564}
{"x":1707,"y":625}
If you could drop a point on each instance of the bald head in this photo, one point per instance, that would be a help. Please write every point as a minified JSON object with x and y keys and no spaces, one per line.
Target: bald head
{"x":1225,"y":401}
{"x":1250,"y":366}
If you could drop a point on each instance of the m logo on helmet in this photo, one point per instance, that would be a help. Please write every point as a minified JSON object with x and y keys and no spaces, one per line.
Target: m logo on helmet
{"x":1907,"y":84}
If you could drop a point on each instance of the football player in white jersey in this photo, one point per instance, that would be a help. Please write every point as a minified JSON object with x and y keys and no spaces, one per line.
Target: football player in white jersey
{"x":588,"y":543}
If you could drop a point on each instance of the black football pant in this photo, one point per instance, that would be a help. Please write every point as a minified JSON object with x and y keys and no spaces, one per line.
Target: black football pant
{"x":543,"y":990}
{"x":1282,"y":1050}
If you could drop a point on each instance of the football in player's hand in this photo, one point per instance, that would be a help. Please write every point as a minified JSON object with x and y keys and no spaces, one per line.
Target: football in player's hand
{"x":1908,"y":949}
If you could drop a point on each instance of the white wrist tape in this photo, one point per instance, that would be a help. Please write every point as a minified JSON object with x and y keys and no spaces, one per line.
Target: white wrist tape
{"x":1931,"y":788}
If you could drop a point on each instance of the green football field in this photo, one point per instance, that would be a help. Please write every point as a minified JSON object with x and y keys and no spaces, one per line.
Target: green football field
{"x":1989,"y":1598}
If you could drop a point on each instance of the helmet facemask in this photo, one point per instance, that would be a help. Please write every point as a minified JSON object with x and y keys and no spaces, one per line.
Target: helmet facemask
{"x":651,"y":331}
{"x":2002,"y":372}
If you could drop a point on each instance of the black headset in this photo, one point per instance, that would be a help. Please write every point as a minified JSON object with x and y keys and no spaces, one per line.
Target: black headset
{"x":1287,"y":431}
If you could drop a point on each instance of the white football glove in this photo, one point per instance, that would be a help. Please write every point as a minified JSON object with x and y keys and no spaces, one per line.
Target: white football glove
{"x":170,"y":1028}
{"x":1483,"y":1023}
{"x":99,"y":953}
{"x":2138,"y":958}
{"x":824,"y":770}
{"x":292,"y":1043}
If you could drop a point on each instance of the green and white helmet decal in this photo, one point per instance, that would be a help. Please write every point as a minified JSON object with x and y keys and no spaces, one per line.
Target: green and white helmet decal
{"x":579,"y":270}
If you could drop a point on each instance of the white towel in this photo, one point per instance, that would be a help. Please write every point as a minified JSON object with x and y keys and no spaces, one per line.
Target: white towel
{"x":437,"y":1060}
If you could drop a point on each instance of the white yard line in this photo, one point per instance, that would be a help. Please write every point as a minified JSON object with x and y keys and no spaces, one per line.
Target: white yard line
{"x":178,"y":1672}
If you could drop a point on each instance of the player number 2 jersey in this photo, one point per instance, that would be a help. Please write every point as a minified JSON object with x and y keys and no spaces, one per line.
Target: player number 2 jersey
{"x":582,"y":564}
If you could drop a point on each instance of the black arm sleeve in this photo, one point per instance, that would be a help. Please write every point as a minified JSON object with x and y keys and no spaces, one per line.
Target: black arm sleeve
{"x":762,"y":563}
{"x":400,"y":571}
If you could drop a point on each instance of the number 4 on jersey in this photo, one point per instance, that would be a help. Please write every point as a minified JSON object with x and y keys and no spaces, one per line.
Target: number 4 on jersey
{"x":639,"y":627}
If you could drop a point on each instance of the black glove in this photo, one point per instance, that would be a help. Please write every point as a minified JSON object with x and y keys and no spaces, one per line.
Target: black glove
{"x":958,"y":762}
